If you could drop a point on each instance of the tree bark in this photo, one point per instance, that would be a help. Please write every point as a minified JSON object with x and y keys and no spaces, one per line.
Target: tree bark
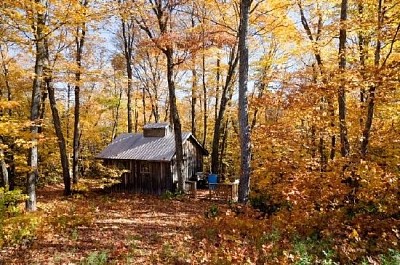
{"x":128,"y":49}
{"x":39,"y":33}
{"x":194,"y":100}
{"x":60,"y":138}
{"x":175,"y":118}
{"x":116,"y":118}
{"x":217,"y":88}
{"x":372,"y":90}
{"x":245,"y":150}
{"x":4,"y":170}
{"x":144,"y":105}
{"x":233,"y":61}
{"x":205,"y":108}
{"x":6,"y":77}
{"x":79,"y":42}
{"x":224,"y":145}
{"x":344,"y":142}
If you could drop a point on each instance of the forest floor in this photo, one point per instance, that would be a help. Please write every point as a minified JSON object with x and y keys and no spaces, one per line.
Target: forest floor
{"x":110,"y":228}
{"x":95,"y":227}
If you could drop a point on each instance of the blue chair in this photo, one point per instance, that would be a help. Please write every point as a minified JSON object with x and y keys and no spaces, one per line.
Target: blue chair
{"x":212,"y":180}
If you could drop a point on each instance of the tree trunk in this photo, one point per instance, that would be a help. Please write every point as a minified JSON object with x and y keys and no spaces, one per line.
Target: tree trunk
{"x":344,"y":142}
{"x":194,"y":99}
{"x":323,"y":157}
{"x":6,"y":78}
{"x":42,"y":106}
{"x":224,"y":145}
{"x":245,"y":150}
{"x":205,"y":110}
{"x":128,"y":48}
{"x":60,"y":138}
{"x":116,"y":118}
{"x":233,"y":61}
{"x":3,"y":166}
{"x":372,"y":90}
{"x":129,"y":94}
{"x":76,"y":140}
{"x":175,"y":117}
{"x":363,"y":56}
{"x":35,"y":107}
{"x":144,"y":105}
{"x":79,"y":41}
{"x":217,"y":88}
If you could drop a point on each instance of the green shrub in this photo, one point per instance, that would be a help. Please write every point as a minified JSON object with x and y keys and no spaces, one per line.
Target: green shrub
{"x":391,"y":258}
{"x":14,"y":229}
{"x":19,"y":230}
{"x":9,"y":201}
{"x":313,"y":251}
{"x":168,"y":195}
{"x":96,"y":258}
{"x":212,"y":212}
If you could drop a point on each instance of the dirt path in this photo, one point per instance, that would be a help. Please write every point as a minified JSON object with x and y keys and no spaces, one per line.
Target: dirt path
{"x":122,"y":228}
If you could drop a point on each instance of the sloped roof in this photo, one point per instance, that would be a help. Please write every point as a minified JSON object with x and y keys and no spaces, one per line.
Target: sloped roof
{"x":130,"y":146}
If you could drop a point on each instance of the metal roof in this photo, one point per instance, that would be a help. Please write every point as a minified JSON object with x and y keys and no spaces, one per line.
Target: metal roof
{"x":137,"y":147}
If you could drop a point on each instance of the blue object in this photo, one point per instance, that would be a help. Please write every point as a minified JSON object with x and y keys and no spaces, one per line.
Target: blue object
{"x":212,"y":181}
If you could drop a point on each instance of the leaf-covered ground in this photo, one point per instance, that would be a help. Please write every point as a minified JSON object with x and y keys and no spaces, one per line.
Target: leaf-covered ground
{"x":125,"y":228}
{"x":96,"y":227}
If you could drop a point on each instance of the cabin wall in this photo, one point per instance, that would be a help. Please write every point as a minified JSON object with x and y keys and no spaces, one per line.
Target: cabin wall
{"x":192,"y":161}
{"x":146,"y":177}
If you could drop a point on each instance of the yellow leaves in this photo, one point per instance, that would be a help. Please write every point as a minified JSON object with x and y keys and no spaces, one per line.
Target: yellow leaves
{"x":354,"y":235}
{"x":9,"y":105}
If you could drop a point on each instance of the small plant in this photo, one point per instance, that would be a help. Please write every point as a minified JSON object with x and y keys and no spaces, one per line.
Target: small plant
{"x":212,"y":212}
{"x":96,"y":258}
{"x":74,"y":234}
{"x":15,"y":229}
{"x":391,"y":258}
{"x":313,"y":251}
{"x":20,"y":230}
{"x":168,"y":195}
{"x":9,"y":200}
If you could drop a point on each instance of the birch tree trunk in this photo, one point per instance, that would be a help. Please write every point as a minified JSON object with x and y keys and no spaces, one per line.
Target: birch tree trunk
{"x":3,"y":168}
{"x":39,"y":28}
{"x":79,"y":42}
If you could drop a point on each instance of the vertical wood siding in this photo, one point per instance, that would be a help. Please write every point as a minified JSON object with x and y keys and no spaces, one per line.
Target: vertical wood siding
{"x":159,"y":178}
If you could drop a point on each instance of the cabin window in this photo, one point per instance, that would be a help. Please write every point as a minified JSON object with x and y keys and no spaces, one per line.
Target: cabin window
{"x":144,"y":167}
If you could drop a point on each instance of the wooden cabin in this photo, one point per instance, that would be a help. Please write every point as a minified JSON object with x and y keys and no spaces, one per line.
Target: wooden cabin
{"x":150,"y":158}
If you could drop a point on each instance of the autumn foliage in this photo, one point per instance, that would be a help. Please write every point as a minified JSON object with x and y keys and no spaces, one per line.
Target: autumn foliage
{"x":323,"y":92}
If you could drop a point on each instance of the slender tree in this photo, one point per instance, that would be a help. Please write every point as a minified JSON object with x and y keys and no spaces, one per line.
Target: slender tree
{"x":163,"y":11}
{"x":245,"y":150}
{"x":39,"y":26}
{"x":48,"y":79}
{"x":128,"y":37}
{"x":225,"y":97}
{"x":345,"y":146}
{"x":79,"y":43}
